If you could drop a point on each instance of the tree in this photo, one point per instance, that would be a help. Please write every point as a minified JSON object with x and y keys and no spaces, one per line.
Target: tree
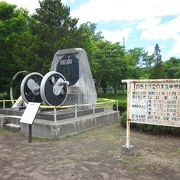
{"x":110,"y":64}
{"x":157,"y":71}
{"x":172,"y":68}
{"x":137,"y":60}
{"x":54,"y":29}
{"x":13,"y":23}
{"x":86,"y":38}
{"x":157,"y":55}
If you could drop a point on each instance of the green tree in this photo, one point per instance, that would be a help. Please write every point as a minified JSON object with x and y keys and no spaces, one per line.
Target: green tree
{"x":13,"y":23}
{"x":54,"y":29}
{"x":172,"y":68}
{"x":87,"y":38}
{"x":157,"y":71}
{"x":90,"y":40}
{"x":157,"y":55}
{"x":110,"y":64}
{"x":138,"y":61}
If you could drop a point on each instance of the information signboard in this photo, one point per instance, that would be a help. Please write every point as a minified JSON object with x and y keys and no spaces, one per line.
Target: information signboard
{"x":30,"y":113}
{"x":154,"y":102}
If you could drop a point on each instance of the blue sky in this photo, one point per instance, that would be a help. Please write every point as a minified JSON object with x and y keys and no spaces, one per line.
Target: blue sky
{"x":142,"y":23}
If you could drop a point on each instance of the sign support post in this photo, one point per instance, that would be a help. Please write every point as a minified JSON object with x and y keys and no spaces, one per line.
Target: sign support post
{"x":128,"y":149}
{"x":30,"y":133}
{"x":128,"y":133}
{"x":152,"y":101}
{"x":29,"y":116}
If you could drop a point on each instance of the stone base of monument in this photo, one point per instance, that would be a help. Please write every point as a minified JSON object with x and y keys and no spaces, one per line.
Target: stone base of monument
{"x":66,"y":124}
{"x":12,"y":127}
{"x":10,"y":122}
{"x":70,"y":126}
{"x":129,"y":151}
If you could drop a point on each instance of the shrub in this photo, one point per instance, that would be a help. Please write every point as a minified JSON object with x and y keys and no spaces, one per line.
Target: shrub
{"x":123,"y":119}
{"x":122,"y":107}
{"x":3,"y":95}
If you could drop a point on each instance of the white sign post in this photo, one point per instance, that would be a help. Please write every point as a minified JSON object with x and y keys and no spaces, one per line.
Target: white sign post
{"x":29,"y":116}
{"x":155,"y":101}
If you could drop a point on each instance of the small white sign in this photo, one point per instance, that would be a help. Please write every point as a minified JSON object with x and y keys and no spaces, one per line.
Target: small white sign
{"x":30,"y":113}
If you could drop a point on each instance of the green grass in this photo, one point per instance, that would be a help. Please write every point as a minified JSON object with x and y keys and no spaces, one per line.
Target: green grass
{"x":121,"y":96}
{"x":156,"y":167}
{"x":50,"y":168}
{"x":178,"y":150}
{"x":4,"y":131}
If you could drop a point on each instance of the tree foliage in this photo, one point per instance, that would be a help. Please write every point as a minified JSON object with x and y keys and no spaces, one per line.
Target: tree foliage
{"x":111,"y":65}
{"x":13,"y":23}
{"x":29,"y":43}
{"x":172,"y":68}
{"x":157,"y":71}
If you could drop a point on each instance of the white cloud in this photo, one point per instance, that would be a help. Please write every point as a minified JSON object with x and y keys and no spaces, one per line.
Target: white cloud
{"x":31,"y":5}
{"x":160,"y":31}
{"x":67,"y":1}
{"x":100,"y":10}
{"x":147,"y":12}
{"x":149,"y":23}
{"x":176,"y":47}
{"x":150,"y":49}
{"x":116,"y":35}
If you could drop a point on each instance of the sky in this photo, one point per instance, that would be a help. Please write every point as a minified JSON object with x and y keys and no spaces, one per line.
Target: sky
{"x":141,"y":23}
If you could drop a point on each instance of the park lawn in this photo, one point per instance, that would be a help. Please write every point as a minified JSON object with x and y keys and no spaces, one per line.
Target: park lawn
{"x":121,"y":96}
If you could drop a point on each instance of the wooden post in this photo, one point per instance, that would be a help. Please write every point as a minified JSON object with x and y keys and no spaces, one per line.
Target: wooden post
{"x":128,"y":115}
{"x":128,"y":133}
{"x":128,"y":149}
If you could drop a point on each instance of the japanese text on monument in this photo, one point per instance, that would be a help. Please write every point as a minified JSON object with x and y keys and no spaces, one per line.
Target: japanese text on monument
{"x":155,"y":103}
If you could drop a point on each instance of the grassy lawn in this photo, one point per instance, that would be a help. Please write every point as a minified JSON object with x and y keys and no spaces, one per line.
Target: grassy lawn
{"x":121,"y":96}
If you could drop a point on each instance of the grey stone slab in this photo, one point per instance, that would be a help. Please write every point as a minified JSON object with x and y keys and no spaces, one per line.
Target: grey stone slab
{"x":49,"y":115}
{"x":51,"y":130}
{"x":83,"y":91}
{"x":12,"y":127}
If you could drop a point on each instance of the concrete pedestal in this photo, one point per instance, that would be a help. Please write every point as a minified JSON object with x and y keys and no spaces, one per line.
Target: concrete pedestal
{"x":129,"y":151}
{"x":66,"y":123}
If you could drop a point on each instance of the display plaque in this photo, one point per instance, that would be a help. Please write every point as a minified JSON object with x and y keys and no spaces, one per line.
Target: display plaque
{"x":30,"y":113}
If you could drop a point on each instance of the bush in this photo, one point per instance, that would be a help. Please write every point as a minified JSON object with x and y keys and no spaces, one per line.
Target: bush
{"x":122,"y":107}
{"x":123,"y":119}
{"x":3,"y":95}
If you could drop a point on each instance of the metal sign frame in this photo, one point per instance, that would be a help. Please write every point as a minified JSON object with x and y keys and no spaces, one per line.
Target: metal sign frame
{"x":142,"y":92}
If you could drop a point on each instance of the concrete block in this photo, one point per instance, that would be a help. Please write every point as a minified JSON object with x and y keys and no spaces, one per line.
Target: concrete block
{"x":129,"y":151}
{"x":51,"y":130}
